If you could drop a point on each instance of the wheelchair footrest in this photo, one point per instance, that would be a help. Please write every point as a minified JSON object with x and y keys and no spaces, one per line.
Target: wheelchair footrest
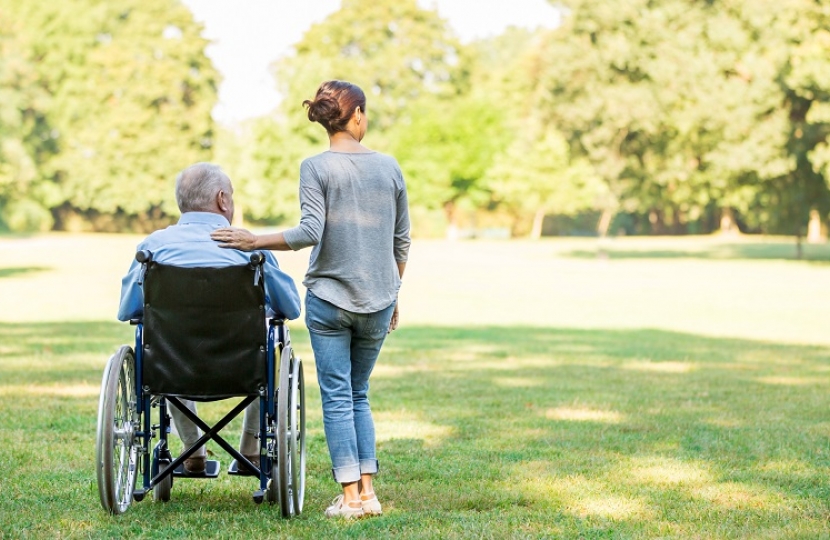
{"x":212,"y":468}
{"x":236,"y":471}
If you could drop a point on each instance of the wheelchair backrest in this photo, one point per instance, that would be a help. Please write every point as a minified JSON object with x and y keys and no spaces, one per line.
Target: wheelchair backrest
{"x":205,"y":335}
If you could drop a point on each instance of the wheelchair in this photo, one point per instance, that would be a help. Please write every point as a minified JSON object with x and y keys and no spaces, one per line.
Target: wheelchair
{"x":203,"y":336}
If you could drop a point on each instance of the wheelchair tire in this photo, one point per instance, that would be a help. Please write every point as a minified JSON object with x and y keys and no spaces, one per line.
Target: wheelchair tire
{"x":296,"y":436}
{"x":116,"y":455}
{"x":272,"y":495}
{"x":161,"y":491}
{"x":283,"y":467}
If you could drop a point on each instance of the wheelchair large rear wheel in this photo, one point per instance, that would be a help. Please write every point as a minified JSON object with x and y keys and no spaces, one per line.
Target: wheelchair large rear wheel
{"x":283,"y":467}
{"x":116,"y":456}
{"x":296,"y":436}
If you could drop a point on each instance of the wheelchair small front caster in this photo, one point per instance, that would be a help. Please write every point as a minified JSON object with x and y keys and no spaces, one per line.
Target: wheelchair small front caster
{"x":259,"y":496}
{"x":138,"y":495}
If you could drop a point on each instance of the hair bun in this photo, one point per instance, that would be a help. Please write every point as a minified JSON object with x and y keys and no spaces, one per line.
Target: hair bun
{"x":323,"y":109}
{"x":335,"y":104}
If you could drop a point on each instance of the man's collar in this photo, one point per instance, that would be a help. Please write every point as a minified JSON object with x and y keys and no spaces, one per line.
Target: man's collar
{"x":209,"y":218}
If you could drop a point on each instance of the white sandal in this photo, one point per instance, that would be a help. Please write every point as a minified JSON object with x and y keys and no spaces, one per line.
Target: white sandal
{"x":339,"y":508}
{"x":371,"y":506}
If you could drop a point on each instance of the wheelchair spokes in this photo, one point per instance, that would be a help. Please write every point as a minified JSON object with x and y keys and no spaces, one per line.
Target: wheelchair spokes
{"x":116,"y":451}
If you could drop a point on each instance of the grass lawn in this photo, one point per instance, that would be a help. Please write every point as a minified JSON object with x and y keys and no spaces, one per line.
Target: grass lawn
{"x":671,"y":388}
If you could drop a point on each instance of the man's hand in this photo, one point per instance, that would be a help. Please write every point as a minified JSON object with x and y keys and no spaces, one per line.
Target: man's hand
{"x":393,"y":324}
{"x":235,"y":238}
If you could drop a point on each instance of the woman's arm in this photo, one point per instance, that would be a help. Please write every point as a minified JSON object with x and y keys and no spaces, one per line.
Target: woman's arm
{"x":393,"y":324}
{"x":308,"y":233}
{"x":235,"y":238}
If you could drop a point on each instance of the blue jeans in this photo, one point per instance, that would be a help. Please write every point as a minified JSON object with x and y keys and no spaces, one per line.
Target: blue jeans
{"x":346,"y":346}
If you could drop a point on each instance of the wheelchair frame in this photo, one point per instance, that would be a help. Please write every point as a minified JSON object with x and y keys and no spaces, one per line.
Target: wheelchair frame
{"x":125,"y":430}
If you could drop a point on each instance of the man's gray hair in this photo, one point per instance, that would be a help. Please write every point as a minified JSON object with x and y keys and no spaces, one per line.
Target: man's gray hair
{"x":197,"y":186}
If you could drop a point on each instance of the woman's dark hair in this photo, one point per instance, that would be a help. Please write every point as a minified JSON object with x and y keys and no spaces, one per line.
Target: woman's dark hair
{"x":334,"y":105}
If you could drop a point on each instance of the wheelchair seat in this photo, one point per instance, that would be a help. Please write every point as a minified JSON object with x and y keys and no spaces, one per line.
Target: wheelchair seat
{"x":202,"y":336}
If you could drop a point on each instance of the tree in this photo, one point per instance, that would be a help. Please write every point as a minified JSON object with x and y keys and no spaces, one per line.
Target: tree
{"x":22,"y":128}
{"x":679,"y":105}
{"x":263,"y":158}
{"x":131,"y":94}
{"x":446,"y":149}
{"x":404,"y":58}
{"x":535,"y":176}
{"x":394,"y":50}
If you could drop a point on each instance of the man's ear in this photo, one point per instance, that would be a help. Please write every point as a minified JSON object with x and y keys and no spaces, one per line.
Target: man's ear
{"x":222,"y":201}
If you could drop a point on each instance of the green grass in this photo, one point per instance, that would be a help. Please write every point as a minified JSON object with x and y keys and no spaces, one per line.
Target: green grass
{"x":631,"y":423}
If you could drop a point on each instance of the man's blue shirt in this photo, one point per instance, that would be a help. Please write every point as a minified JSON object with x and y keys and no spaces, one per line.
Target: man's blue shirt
{"x":188,"y":244}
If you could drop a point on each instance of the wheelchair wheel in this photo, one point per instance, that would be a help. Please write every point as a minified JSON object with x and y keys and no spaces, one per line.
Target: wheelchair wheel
{"x":296,"y":436}
{"x":283,"y":465}
{"x":161,"y":491}
{"x":116,"y":456}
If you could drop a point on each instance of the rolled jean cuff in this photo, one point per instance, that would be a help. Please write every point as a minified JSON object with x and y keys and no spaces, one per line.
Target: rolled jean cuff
{"x":351,"y":473}
{"x":369,"y":466}
{"x":345,"y":475}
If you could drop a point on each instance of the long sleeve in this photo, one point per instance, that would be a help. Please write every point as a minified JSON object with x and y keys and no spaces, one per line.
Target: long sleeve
{"x":312,"y":211}
{"x":402,"y":240}
{"x":280,"y":290}
{"x":132,"y":296}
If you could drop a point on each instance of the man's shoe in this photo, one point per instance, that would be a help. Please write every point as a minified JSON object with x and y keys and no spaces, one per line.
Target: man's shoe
{"x":243,"y":469}
{"x":195,"y":465}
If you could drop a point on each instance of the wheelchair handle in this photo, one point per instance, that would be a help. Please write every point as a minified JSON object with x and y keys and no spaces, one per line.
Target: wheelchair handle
{"x":257,"y":258}
{"x":144,"y":256}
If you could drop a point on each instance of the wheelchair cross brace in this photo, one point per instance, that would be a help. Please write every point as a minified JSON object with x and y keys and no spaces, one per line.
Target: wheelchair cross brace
{"x":210,"y":433}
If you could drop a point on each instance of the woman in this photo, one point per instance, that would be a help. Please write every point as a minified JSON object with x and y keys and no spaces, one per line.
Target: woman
{"x":355,"y":215}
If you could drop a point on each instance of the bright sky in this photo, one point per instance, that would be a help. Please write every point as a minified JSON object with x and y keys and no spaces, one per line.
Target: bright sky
{"x":248,"y":35}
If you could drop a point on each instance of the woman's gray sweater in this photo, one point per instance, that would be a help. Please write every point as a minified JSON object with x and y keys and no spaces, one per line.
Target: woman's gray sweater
{"x":355,"y":214}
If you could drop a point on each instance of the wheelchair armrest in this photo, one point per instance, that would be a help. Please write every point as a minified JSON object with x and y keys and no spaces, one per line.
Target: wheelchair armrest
{"x":143,"y":256}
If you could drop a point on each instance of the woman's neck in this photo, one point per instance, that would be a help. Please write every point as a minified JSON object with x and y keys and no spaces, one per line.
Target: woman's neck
{"x":343,"y":141}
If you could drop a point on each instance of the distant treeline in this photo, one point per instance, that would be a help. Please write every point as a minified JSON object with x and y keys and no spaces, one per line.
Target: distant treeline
{"x":633,"y":116}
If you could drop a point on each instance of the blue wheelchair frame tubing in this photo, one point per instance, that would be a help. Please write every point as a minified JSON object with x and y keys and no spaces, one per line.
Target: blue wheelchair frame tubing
{"x":267,"y":409}
{"x":267,"y":405}
{"x":146,"y":402}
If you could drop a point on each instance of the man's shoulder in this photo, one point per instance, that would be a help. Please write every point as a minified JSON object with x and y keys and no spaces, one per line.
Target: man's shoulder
{"x":159,"y":236}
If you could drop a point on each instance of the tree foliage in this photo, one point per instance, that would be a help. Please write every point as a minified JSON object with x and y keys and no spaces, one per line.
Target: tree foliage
{"x":130,"y":98}
{"x":681,"y":105}
{"x":669,"y":112}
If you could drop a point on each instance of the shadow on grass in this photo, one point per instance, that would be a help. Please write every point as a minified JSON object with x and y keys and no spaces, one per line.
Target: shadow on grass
{"x":714,"y":251}
{"x":627,"y":433}
{"x":21,"y":270}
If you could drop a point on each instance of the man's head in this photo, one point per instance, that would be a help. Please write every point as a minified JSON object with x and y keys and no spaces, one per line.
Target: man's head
{"x":203,"y":187}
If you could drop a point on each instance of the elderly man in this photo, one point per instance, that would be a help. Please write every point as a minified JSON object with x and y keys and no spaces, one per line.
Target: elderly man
{"x":205,"y":197}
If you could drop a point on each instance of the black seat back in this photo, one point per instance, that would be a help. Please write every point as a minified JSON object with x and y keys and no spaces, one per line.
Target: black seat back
{"x":204,"y":332}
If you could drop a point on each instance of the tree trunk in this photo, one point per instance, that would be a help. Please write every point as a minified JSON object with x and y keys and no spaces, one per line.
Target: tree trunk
{"x":538,"y":220}
{"x":727,"y":222}
{"x":799,"y":249}
{"x":605,"y":222}
{"x":452,"y":228}
{"x":815,"y":234}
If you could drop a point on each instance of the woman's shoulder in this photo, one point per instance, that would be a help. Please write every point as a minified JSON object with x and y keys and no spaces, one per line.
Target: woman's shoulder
{"x":371,"y":156}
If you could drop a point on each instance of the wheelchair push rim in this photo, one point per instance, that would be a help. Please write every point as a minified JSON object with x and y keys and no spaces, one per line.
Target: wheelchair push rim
{"x":296,"y":436}
{"x":116,"y":451}
{"x":283,"y":469}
